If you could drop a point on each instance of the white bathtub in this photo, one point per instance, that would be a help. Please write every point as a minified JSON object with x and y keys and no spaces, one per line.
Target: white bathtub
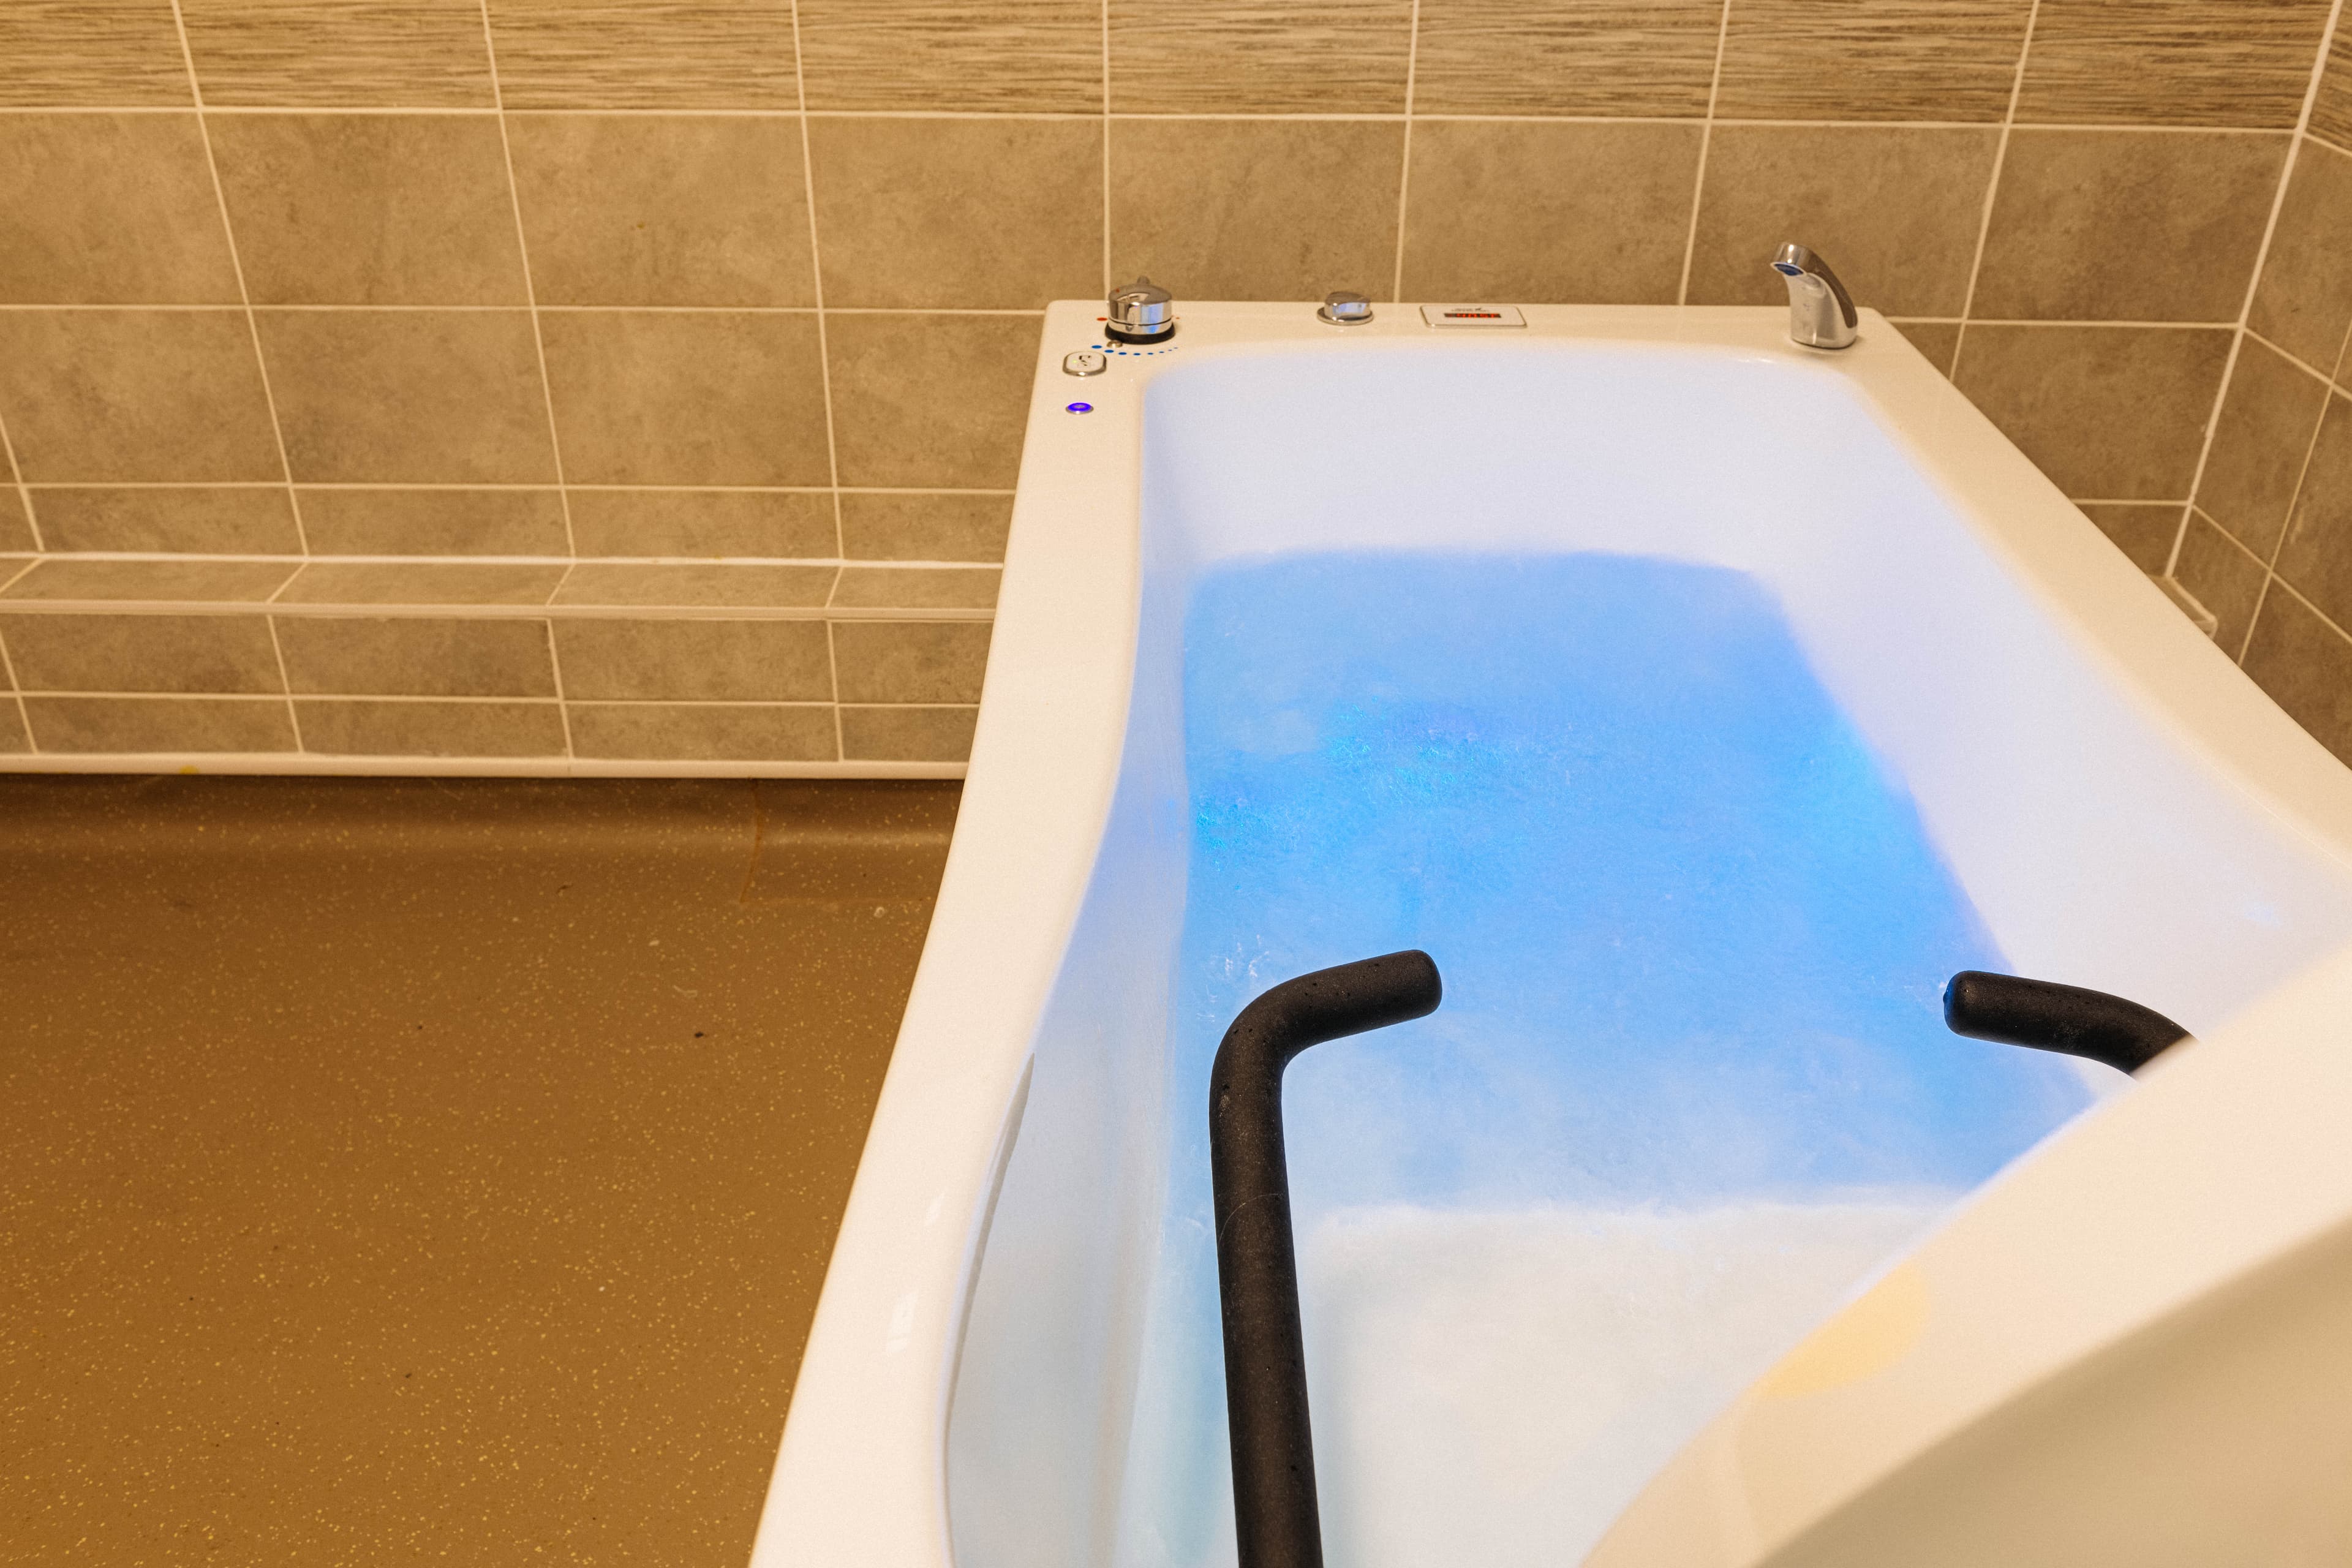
{"x":2124,"y":809}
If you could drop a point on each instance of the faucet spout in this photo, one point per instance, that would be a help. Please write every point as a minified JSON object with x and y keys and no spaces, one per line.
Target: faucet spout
{"x":1821,"y":312}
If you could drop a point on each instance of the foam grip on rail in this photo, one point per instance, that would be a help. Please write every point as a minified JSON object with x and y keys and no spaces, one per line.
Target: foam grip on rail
{"x":2047,"y":1016}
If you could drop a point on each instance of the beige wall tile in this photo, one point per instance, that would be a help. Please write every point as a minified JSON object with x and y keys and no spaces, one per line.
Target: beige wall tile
{"x":434,"y":522}
{"x":701,"y":398}
{"x":909,"y":661}
{"x":134,"y":725}
{"x":2113,"y":413}
{"x":1036,"y":57}
{"x":917,"y":588}
{"x":1895,"y":210}
{"x":1541,"y":213}
{"x":2125,"y":225}
{"x":1940,"y":340}
{"x":751,"y":733}
{"x":2219,"y":574}
{"x":2269,"y":415}
{"x":107,"y":396}
{"x":658,"y":209}
{"x":1537,"y":57}
{"x":691,"y":661}
{"x":421,"y":583}
{"x":2143,"y":531}
{"x":370,"y":209}
{"x":2304,"y":301}
{"x":2331,"y":108}
{"x":2307,"y":667}
{"x":972,"y":213}
{"x":16,"y":524}
{"x":930,"y":400}
{"x":616,"y":582}
{"x":142,"y":653}
{"x":415,"y":656}
{"x":202,"y":582}
{"x":624,"y":54}
{"x":907,"y":734}
{"x":407,"y":54}
{"x":15,"y":739}
{"x":110,"y":209}
{"x":432,"y":729}
{"x":924,"y":527}
{"x":2317,"y":555}
{"x":1255,"y":210}
{"x":1871,"y":60}
{"x":787,"y":524}
{"x":2170,"y":62}
{"x":1260,"y":57}
{"x":203,"y":521}
{"x":409,"y":396}
{"x":121,"y":53}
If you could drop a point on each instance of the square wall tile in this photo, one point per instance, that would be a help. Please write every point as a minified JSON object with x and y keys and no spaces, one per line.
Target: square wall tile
{"x":2127,"y":226}
{"x":907,"y":734}
{"x":1871,"y":60}
{"x":1260,"y":57}
{"x":700,"y":398}
{"x":1255,"y":210}
{"x":1004,"y":57}
{"x":110,"y":209}
{"x":193,"y":581}
{"x":432,"y":729}
{"x":1541,"y":213}
{"x":409,"y":396}
{"x":734,"y":733}
{"x":660,"y":209}
{"x":2316,"y":556}
{"x":2143,"y":532}
{"x":142,"y":653}
{"x":435,"y":523}
{"x":2304,"y":302}
{"x":2331,"y":108}
{"x":1938,"y":341}
{"x":2269,"y":415}
{"x":695,"y":660}
{"x":1895,"y":209}
{"x":2110,"y":412}
{"x":699,"y":584}
{"x":333,"y":54}
{"x":937,"y":525}
{"x":909,"y":661}
{"x":781,"y":524}
{"x":394,"y":656}
{"x":110,"y":395}
{"x":422,"y":583}
{"x":133,"y":726}
{"x":370,"y":209}
{"x":2172,"y":62}
{"x":2219,"y":574}
{"x":924,"y":400}
{"x":1536,"y":57}
{"x":626,"y":54}
{"x":104,"y":53}
{"x":2305,"y":665}
{"x":972,"y":213}
{"x":241,"y":521}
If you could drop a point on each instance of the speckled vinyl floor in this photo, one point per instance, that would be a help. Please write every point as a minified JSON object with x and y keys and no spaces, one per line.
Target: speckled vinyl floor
{"x":417,"y":1171}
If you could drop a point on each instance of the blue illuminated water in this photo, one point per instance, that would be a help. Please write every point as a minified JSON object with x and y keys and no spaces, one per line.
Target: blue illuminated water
{"x":1690,"y":1067}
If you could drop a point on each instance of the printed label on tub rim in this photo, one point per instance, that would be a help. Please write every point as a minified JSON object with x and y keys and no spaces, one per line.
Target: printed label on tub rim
{"x":1473,"y":316}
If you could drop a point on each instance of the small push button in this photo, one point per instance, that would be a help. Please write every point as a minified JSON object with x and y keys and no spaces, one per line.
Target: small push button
{"x":1086,"y":361}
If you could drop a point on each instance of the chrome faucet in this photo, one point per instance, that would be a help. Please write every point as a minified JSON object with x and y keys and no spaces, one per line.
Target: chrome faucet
{"x":1821,"y":312}
{"x":1140,"y":312}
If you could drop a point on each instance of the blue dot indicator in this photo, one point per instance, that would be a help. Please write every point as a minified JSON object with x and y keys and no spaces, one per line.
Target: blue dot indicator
{"x":1082,"y":408}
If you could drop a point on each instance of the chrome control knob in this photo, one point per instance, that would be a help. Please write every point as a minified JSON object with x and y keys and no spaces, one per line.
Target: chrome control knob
{"x":1345,"y":308}
{"x":1140,"y":312}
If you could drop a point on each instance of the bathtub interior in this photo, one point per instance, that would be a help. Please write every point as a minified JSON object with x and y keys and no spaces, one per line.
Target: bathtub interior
{"x":1502,"y":1348}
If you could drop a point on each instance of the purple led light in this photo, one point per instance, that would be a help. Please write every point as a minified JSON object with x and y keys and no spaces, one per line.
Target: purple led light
{"x":1082,"y":408}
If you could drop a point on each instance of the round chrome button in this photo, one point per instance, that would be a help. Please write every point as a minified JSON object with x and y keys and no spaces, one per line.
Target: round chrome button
{"x":1086,"y":361}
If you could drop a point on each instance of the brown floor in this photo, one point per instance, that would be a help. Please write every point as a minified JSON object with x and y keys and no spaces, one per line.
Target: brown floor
{"x":401,"y":1169}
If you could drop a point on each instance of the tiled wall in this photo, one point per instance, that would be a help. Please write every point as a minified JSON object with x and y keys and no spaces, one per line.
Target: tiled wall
{"x":645,"y":379}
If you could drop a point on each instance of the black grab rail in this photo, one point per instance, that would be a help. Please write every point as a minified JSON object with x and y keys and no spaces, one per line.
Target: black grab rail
{"x":2047,"y":1016}
{"x":1275,"y":1514}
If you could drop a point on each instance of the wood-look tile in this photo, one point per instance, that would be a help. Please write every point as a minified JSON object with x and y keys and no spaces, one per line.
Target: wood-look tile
{"x":925,"y":401}
{"x":197,"y":580}
{"x":782,"y":524}
{"x":2170,"y":62}
{"x":646,"y":54}
{"x":2331,"y":107}
{"x":137,"y":726}
{"x":132,"y":396}
{"x":749,"y":732}
{"x":2113,"y":413}
{"x":2219,"y":574}
{"x":2305,"y":665}
{"x":1260,"y":57}
{"x":936,"y":526}
{"x":402,"y":656}
{"x":100,"y":53}
{"x":437,"y":521}
{"x":201,"y":520}
{"x":222,"y":653}
{"x":2270,"y":413}
{"x":1537,"y":57}
{"x":404,"y":54}
{"x":110,"y":209}
{"x":1871,"y":60}
{"x":2304,"y":302}
{"x":909,"y":734}
{"x":2143,"y":532}
{"x":695,"y":660}
{"x":431,"y":729}
{"x":1034,"y":56}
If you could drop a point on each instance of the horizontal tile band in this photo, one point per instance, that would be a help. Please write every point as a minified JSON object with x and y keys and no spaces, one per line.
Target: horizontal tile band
{"x":550,"y":489}
{"x":298,"y":698}
{"x":911,"y":614}
{"x":314,"y":762}
{"x":239,"y":311}
{"x":291,"y":561}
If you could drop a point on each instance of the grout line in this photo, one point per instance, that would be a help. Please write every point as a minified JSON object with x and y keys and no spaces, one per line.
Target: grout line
{"x":1992,"y":187}
{"x":1706,"y":138}
{"x":1404,"y":173}
{"x":816,"y":282}
{"x":16,"y":697}
{"x":2302,"y":364}
{"x":555,"y":667}
{"x":24,"y":491}
{"x":1107,"y":284}
{"x":10,"y":580}
{"x":530,"y":295}
{"x":833,"y":675}
{"x":413,"y":699}
{"x":2286,"y":526}
{"x":299,"y":565}
{"x":236,"y":264}
{"x":284,"y":682}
